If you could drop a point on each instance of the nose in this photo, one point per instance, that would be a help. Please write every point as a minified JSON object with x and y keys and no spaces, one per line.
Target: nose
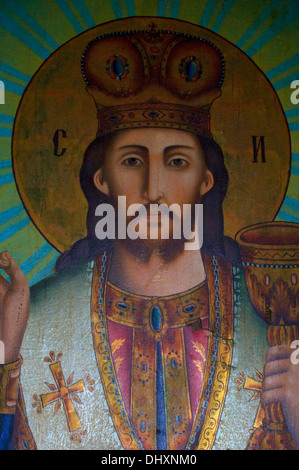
{"x":153,"y":188}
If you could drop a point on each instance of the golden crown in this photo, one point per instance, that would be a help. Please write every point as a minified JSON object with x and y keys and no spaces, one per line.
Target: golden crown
{"x":153,"y":78}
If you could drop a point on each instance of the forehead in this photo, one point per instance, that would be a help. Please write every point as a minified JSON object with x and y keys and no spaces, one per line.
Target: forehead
{"x":155,"y":139}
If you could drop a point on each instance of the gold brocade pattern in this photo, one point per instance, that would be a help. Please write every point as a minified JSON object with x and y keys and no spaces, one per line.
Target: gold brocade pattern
{"x":215,"y":365}
{"x":143,"y":388}
{"x":178,"y":407}
{"x":219,"y":357}
{"x":106,"y":367}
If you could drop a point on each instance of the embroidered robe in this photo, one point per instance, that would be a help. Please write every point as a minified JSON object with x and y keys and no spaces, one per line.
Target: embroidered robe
{"x":106,"y":369}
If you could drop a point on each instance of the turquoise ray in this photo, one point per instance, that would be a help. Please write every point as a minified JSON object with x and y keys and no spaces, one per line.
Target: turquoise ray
{"x":10,"y":213}
{"x":295,"y":157}
{"x":294,"y":126}
{"x":283,"y":67}
{"x":62,"y":4}
{"x":6,"y":179}
{"x":291,"y":203}
{"x":117,"y":9}
{"x":288,"y":15}
{"x":36,"y":258}
{"x":25,"y":16}
{"x":15,"y":88}
{"x":5,"y":132}
{"x":14,"y":72}
{"x":4,"y":164}
{"x":10,"y":25}
{"x":208,"y":12}
{"x":84,"y":13}
{"x":268,"y":10}
{"x":14,"y":228}
{"x":4,"y":118}
{"x":44,"y":272}
{"x":290,"y":113}
{"x":286,"y":81}
{"x":130,"y":7}
{"x":175,"y":8}
{"x":222,"y":14}
{"x":161,"y":11}
{"x":287,"y":217}
{"x":295,"y":170}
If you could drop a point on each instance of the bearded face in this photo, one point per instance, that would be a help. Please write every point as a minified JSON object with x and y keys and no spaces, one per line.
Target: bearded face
{"x":159,"y":171}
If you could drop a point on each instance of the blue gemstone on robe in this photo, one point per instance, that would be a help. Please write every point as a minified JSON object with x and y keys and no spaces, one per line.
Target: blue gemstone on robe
{"x":156,"y":318}
{"x":189,"y":308}
{"x":173,"y":363}
{"x":142,"y":426}
{"x":24,"y":443}
{"x":121,"y":305}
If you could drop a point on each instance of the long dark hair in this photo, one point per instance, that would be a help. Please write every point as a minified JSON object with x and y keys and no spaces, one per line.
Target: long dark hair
{"x":214,"y":241}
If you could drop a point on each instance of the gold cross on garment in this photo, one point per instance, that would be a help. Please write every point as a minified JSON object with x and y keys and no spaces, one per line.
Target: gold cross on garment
{"x":64,"y":393}
{"x":255,"y":385}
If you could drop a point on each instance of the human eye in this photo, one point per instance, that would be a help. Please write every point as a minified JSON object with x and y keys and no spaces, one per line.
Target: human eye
{"x":177,"y":162}
{"x":132,"y":161}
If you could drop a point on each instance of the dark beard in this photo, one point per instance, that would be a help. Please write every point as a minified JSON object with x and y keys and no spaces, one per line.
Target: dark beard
{"x":142,"y":249}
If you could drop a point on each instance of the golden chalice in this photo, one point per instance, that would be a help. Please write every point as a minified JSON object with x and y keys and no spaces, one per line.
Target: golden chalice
{"x":270,"y":255}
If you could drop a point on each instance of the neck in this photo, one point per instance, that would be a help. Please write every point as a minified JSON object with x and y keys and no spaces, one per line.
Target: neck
{"x":155,"y":270}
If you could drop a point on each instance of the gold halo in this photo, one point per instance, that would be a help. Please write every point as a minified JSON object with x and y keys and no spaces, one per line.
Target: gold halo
{"x":56,"y":100}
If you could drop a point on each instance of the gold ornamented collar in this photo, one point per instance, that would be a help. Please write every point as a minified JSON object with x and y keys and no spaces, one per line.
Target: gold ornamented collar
{"x":157,"y":314}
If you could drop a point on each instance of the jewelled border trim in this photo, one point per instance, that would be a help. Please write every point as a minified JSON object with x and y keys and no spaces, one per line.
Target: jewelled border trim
{"x":104,"y":358}
{"x":271,"y":265}
{"x":138,"y":411}
{"x":185,"y":393}
{"x":217,"y":371}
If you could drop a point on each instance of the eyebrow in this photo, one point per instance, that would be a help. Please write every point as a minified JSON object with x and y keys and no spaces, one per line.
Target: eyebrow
{"x":167,"y":149}
{"x":141,"y":147}
{"x":174,"y":147}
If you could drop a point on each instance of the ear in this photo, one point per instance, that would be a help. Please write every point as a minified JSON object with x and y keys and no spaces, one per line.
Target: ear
{"x":207,"y":183}
{"x":99,"y":182}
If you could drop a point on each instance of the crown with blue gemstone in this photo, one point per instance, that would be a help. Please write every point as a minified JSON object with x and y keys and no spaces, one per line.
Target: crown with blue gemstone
{"x":153,"y":78}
